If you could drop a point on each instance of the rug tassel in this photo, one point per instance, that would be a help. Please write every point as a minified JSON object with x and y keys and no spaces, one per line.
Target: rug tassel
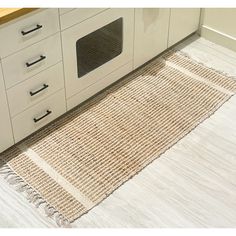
{"x":33,"y":197}
{"x":62,"y":222}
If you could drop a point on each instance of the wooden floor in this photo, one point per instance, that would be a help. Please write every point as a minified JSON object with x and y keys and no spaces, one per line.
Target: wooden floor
{"x":192,"y":185}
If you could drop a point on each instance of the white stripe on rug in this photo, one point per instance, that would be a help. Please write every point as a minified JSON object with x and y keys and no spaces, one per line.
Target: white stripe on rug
{"x":197,"y":77}
{"x":56,"y":176}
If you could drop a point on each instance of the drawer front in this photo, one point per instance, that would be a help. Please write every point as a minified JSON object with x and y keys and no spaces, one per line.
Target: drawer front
{"x":27,"y":30}
{"x":35,"y":89}
{"x":78,"y":15}
{"x":39,"y":115}
{"x":30,"y":61}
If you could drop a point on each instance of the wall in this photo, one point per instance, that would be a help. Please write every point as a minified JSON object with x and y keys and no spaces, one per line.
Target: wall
{"x":218,"y":25}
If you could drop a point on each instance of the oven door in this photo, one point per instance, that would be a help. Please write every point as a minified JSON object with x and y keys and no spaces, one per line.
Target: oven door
{"x":96,"y":47}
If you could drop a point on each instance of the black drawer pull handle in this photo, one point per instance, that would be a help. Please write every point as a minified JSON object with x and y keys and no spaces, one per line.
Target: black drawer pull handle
{"x":34,"y":62}
{"x":32,"y":30}
{"x":38,"y":91}
{"x":40,"y":118}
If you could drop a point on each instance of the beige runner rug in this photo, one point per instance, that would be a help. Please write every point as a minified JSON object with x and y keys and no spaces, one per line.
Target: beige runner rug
{"x":75,"y":162}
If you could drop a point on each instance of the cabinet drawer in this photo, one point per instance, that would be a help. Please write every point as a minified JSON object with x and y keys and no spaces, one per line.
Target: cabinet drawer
{"x":78,"y":15}
{"x":28,"y":30}
{"x":35,"y":89}
{"x":32,"y":60}
{"x":39,"y":115}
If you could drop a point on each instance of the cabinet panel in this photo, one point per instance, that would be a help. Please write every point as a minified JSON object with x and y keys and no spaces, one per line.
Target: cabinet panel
{"x":151,"y":33}
{"x":6,"y":137}
{"x":183,"y":22}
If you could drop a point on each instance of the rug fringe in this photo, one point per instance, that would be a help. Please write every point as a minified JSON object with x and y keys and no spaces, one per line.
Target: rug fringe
{"x":32,"y":196}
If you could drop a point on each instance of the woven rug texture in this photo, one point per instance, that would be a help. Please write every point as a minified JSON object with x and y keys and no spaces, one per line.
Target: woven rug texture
{"x":71,"y":165}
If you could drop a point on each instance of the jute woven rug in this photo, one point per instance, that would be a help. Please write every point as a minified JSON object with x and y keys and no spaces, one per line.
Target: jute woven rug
{"x":75,"y":162}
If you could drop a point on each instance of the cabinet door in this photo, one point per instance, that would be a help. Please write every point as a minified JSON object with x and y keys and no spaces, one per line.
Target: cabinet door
{"x":6,"y":137}
{"x":183,"y":22}
{"x":151,"y":33}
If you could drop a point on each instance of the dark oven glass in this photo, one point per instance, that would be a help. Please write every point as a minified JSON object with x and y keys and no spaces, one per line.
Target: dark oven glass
{"x":99,"y":47}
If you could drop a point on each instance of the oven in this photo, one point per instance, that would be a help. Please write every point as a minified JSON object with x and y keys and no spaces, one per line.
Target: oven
{"x":96,"y":52}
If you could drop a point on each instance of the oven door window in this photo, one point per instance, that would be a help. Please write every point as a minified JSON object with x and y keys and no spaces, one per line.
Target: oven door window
{"x":99,"y":47}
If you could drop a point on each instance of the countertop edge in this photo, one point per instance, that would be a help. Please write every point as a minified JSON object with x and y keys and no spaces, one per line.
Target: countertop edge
{"x":15,"y":14}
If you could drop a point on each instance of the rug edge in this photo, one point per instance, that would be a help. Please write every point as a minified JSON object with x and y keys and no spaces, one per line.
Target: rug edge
{"x":32,"y":196}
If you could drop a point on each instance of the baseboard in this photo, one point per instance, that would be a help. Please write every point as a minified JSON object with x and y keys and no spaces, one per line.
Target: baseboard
{"x":218,"y":37}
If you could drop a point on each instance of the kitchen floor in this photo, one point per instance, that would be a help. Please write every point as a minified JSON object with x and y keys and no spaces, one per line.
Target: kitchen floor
{"x":192,"y":185}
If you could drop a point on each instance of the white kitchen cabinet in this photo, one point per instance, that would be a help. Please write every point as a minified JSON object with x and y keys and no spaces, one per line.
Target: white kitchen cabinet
{"x":151,"y":33}
{"x":99,"y":47}
{"x":6,"y":137}
{"x":183,"y":22}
